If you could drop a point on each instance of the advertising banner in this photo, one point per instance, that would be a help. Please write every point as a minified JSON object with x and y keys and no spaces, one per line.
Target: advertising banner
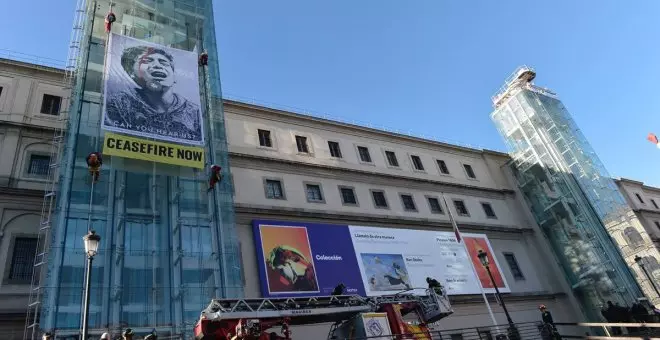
{"x":152,"y":91}
{"x":147,"y":150}
{"x":311,"y":259}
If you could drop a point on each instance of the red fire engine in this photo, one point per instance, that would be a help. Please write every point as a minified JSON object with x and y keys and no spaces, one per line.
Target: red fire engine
{"x":404,"y":315}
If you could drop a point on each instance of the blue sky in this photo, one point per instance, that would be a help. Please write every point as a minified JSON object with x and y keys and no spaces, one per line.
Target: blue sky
{"x":429,"y":67}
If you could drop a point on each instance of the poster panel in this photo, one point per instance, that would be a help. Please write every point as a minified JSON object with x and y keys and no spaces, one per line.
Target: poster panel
{"x":376,"y":326}
{"x":392,"y":260}
{"x":311,"y":259}
{"x":152,"y":91}
{"x":147,"y":150}
{"x":297,"y":259}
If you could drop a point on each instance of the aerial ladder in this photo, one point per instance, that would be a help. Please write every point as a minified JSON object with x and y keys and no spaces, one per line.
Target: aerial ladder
{"x":259,"y":318}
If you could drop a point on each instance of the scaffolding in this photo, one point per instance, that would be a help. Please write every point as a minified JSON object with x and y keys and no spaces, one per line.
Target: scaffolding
{"x":39,"y":269}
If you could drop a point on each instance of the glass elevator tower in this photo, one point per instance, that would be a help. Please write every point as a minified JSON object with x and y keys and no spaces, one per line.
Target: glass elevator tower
{"x":167,"y":245}
{"x":593,"y":232}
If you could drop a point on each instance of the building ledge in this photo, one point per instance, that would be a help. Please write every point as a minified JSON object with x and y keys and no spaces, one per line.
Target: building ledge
{"x":273,"y":212}
{"x":509,"y":297}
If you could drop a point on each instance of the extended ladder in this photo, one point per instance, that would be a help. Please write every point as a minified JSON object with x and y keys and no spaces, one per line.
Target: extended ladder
{"x":307,"y":310}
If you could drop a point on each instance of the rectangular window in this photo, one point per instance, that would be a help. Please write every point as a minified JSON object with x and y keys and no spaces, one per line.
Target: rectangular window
{"x":274,"y":189}
{"x":657,"y":224}
{"x":484,"y":335}
{"x":461,"y":209}
{"x":391,"y":158}
{"x":364,"y":154}
{"x":379,"y":199}
{"x":639,"y":198}
{"x":456,"y":336}
{"x":513,"y":266}
{"x":335,"y":151}
{"x":417,"y":163}
{"x":469,"y":171}
{"x":488,"y":209}
{"x":314,"y":193}
{"x":348,"y":196}
{"x":443,"y":167}
{"x":0,"y":91}
{"x":654,"y":204}
{"x":39,"y":165}
{"x":264,"y":138}
{"x":50,"y":105}
{"x":408,"y":203}
{"x":301,"y":143}
{"x":434,"y":205}
{"x":22,"y":259}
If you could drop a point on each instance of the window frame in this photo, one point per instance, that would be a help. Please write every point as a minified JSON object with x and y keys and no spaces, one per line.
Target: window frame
{"x":322,"y":200}
{"x":403,"y":204}
{"x":341,"y":196}
{"x":483,"y":207}
{"x":28,"y":160}
{"x":513,"y":256}
{"x":373,"y":199}
{"x":428,"y":201}
{"x":437,"y":164}
{"x":307,"y":145}
{"x":467,"y":212}
{"x":387,"y":160}
{"x":412,"y":158}
{"x":654,"y":204}
{"x":359,"y":157}
{"x":467,"y":174}
{"x":657,"y":224}
{"x":265,"y":184}
{"x":9,"y":261}
{"x":341,"y":156}
{"x":43,"y":101}
{"x":270,"y":139}
{"x":639,"y":198}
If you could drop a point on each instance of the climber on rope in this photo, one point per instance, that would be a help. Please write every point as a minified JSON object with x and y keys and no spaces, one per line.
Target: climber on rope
{"x":94,"y":162}
{"x":109,"y":19}
{"x":203,"y":59}
{"x":216,"y":176}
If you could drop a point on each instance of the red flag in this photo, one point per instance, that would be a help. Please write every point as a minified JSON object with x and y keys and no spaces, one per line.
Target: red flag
{"x":652,"y":138}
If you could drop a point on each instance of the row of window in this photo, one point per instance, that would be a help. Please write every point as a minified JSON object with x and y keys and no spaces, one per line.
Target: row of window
{"x":50,"y":105}
{"x":274,"y":189}
{"x":265,"y":140}
{"x":639,"y":197}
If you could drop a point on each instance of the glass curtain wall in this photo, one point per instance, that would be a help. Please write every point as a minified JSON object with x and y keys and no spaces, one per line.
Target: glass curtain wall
{"x":167,"y":246}
{"x":570,"y":194}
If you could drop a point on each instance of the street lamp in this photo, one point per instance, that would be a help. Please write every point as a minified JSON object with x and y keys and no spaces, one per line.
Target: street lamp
{"x":483,"y":257}
{"x":639,"y":259}
{"x":91,"y":248}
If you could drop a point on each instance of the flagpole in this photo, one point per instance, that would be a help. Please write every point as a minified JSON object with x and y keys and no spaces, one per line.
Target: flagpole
{"x":474,"y":270}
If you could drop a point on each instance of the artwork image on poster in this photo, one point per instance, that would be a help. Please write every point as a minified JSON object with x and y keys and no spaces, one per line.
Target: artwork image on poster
{"x":385,"y":272}
{"x":152,"y":91}
{"x":288,"y":260}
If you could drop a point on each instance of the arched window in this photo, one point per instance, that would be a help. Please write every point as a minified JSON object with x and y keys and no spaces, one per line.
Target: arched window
{"x":633,"y":237}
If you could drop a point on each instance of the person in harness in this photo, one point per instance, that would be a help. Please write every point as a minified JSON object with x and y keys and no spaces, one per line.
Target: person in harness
{"x":435,"y":286}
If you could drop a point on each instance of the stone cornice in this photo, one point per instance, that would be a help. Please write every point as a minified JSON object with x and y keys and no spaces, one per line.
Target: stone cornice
{"x":241,"y":160}
{"x":245,"y":213}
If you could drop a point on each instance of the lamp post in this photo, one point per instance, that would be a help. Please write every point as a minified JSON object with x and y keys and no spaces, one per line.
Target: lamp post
{"x":483,"y":257}
{"x":91,"y":248}
{"x":639,"y":260}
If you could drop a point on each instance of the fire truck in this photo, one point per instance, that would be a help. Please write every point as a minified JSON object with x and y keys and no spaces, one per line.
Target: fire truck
{"x":400,"y":316}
